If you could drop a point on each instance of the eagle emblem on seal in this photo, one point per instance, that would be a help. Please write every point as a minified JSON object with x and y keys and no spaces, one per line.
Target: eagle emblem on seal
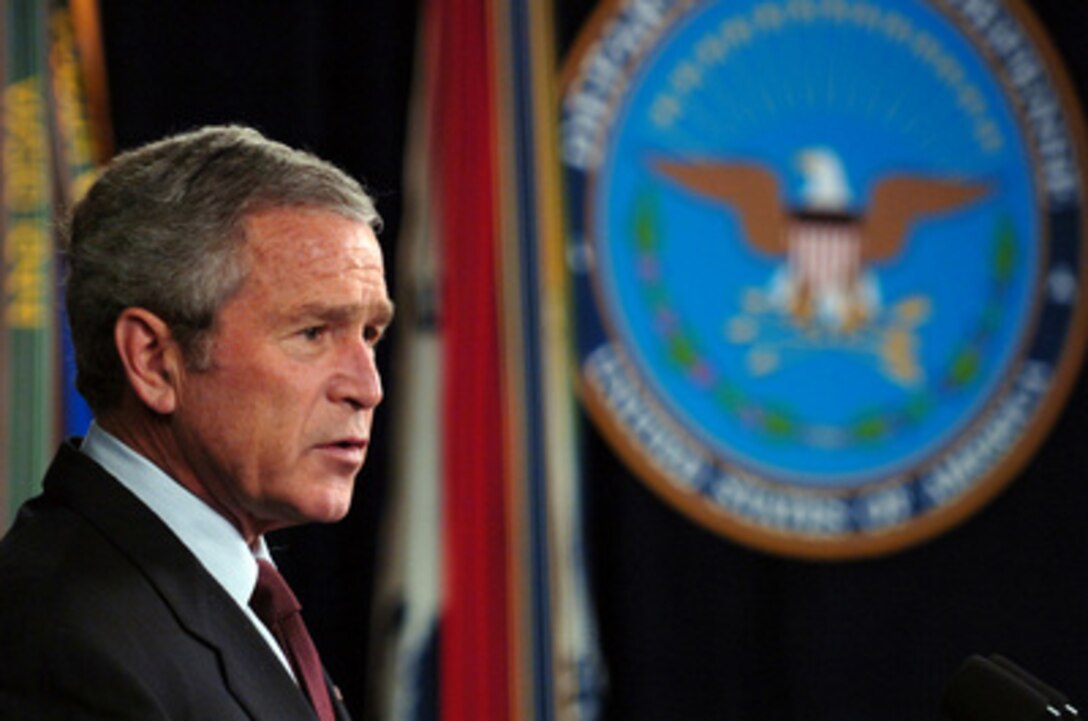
{"x":825,"y":250}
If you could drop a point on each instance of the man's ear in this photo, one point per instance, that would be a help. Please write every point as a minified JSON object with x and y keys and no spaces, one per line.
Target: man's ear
{"x":151,"y":358}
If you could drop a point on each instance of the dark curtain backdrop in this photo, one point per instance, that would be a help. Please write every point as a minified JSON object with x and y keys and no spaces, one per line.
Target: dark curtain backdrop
{"x":693,"y":626}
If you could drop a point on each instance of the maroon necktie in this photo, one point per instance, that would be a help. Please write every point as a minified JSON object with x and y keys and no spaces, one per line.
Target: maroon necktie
{"x":277,"y":607}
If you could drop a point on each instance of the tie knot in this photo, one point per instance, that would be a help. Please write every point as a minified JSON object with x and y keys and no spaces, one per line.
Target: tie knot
{"x":272,"y":599}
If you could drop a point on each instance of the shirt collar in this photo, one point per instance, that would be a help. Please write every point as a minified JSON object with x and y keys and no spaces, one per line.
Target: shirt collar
{"x":209,"y":536}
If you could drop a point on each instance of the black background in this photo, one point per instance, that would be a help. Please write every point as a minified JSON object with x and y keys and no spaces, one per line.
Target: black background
{"x":693,"y":626}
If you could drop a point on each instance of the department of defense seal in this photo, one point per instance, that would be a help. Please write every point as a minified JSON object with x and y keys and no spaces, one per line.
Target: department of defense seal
{"x":826,"y":257}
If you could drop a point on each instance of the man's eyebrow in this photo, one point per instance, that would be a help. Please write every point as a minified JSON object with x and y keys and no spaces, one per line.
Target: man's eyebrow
{"x":380,"y":313}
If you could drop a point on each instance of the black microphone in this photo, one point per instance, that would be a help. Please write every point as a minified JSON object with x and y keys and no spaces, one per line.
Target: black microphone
{"x":1056,"y":697}
{"x":982,"y":690}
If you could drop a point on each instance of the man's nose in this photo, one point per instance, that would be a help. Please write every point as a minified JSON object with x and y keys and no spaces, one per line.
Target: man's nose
{"x":358,"y":383}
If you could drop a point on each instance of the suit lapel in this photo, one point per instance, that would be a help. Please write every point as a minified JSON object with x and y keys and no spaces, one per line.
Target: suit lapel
{"x":251,"y":671}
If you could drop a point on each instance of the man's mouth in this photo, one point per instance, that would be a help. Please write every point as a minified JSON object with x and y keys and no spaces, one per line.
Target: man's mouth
{"x":348,"y":450}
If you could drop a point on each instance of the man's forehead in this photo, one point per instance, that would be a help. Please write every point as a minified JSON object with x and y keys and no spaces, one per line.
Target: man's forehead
{"x":299,"y":236}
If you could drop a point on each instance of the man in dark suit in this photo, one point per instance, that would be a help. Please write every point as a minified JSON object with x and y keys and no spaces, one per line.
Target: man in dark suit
{"x":225,"y":294}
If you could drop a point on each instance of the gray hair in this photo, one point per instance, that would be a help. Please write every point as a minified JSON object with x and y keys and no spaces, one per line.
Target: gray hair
{"x":162,"y":229}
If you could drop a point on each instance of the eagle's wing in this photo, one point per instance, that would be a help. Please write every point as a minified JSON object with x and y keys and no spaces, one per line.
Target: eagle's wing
{"x":749,"y":190}
{"x":899,"y":201}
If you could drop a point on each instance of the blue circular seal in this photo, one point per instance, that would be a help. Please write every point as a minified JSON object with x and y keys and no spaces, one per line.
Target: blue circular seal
{"x":826,"y":256}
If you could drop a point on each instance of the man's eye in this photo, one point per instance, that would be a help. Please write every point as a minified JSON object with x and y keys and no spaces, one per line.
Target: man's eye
{"x":314,"y":332}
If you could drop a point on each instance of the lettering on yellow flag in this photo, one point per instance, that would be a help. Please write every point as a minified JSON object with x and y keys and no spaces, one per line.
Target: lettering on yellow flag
{"x":28,"y":275}
{"x":27,"y":246}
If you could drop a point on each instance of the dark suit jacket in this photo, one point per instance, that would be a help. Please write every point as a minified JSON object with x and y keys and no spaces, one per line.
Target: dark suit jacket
{"x":104,"y":614}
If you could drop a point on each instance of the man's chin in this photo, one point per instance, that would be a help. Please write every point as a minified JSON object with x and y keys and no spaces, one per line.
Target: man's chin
{"x":328,"y":508}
